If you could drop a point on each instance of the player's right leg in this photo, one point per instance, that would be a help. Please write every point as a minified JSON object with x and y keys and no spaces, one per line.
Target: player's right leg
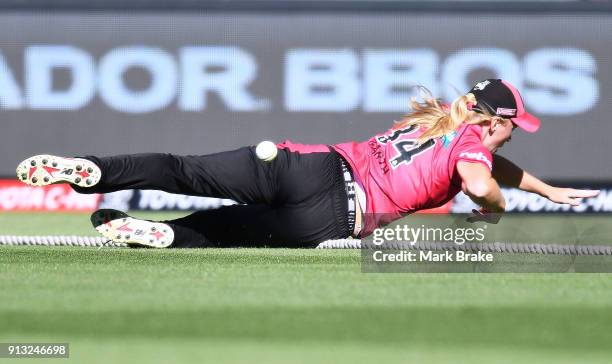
{"x":44,"y":169}
{"x":240,"y":175}
{"x":237,"y":174}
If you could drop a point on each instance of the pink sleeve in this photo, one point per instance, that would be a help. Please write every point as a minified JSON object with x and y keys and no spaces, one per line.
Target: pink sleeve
{"x":472,"y":151}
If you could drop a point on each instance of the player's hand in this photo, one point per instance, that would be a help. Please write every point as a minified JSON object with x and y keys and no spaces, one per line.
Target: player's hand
{"x":570,"y":196}
{"x":485,"y":216}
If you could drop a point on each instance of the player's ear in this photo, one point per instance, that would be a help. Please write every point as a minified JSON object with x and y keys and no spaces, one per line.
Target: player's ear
{"x":495,"y":124}
{"x":492,"y":126}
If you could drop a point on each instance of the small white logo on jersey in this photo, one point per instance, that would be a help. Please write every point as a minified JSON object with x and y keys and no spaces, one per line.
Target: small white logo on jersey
{"x":477,"y":157}
{"x":481,"y":85}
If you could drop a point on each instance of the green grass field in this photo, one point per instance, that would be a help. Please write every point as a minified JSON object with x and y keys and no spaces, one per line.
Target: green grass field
{"x":285,"y":306}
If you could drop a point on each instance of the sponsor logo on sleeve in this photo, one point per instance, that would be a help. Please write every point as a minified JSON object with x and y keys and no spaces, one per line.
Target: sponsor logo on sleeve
{"x":477,"y":156}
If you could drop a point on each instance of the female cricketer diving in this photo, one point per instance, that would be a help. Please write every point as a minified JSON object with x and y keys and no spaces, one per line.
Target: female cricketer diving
{"x":312,"y":193}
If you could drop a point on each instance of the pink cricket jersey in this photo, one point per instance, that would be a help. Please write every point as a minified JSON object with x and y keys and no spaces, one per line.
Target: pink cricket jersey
{"x":400,"y":177}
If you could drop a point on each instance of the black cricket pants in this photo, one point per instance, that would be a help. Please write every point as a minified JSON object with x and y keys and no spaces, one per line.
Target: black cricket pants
{"x":297,"y":200}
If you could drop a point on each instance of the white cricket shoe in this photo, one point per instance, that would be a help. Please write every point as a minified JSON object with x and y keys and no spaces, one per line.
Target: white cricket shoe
{"x":135,"y":232}
{"x":44,"y":169}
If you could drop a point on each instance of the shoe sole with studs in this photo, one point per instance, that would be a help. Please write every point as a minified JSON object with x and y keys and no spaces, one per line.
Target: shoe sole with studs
{"x":44,"y":169}
{"x":136,"y":232}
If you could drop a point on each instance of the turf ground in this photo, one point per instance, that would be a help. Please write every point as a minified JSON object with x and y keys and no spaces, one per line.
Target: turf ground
{"x":286,"y":306}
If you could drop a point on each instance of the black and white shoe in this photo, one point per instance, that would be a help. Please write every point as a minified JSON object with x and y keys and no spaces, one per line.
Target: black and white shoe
{"x":103,"y":216}
{"x":44,"y":169}
{"x":132,"y":231}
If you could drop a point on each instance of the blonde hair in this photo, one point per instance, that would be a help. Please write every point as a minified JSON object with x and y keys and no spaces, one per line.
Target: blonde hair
{"x":439,"y":119}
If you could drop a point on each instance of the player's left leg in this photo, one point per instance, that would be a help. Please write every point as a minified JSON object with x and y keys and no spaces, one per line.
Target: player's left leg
{"x":306,"y":224}
{"x":309,"y":205}
{"x":260,"y":226}
{"x":122,"y":228}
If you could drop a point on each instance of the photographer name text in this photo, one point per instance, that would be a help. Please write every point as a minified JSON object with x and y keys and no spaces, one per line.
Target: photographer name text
{"x":431,"y":256}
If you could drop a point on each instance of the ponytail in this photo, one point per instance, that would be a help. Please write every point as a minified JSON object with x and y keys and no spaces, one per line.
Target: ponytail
{"x":438,"y":119}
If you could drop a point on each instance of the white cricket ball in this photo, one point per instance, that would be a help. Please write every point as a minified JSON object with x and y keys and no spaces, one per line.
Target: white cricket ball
{"x":266,"y":151}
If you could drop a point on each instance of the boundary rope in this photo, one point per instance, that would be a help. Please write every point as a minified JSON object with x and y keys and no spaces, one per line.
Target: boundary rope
{"x":58,"y":240}
{"x":498,"y":247}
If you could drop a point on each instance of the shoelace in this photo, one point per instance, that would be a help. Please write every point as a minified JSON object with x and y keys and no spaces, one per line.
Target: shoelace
{"x":108,"y":243}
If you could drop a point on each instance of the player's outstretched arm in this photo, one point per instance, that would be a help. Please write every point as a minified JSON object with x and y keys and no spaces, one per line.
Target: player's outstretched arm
{"x":511,"y":175}
{"x":480,"y":186}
